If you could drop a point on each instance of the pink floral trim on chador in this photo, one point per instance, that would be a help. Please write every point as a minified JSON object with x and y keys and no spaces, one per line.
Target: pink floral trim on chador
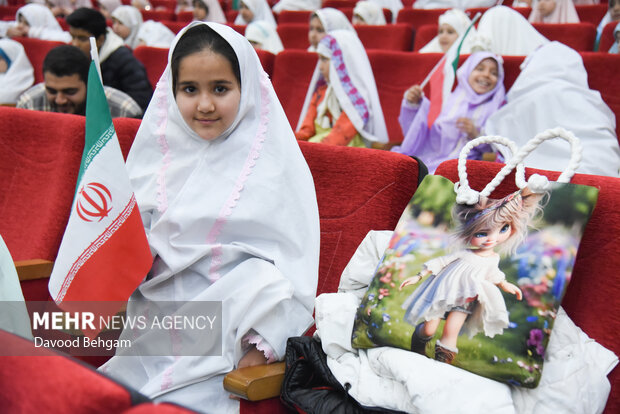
{"x":253,"y":338}
{"x":216,"y":258}
{"x":345,"y":80}
{"x":162,"y":112}
{"x":177,"y":345}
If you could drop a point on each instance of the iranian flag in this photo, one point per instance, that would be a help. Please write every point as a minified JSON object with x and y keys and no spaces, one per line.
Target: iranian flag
{"x":443,"y":75}
{"x":104,"y":254}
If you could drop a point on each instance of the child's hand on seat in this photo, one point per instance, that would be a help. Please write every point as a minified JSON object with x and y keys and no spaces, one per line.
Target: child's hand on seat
{"x":414,"y":94}
{"x":251,"y":358}
{"x":467,"y":126}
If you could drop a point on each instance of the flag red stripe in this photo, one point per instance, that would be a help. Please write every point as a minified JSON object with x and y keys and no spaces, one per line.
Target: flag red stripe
{"x":436,"y":85}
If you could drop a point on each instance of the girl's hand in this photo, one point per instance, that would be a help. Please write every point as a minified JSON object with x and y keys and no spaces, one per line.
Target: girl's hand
{"x":467,"y":126}
{"x":251,"y":358}
{"x":411,"y":281}
{"x":512,"y":289}
{"x":414,"y":94}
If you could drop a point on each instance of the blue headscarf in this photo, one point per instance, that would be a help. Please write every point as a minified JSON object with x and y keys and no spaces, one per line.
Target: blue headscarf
{"x":6,"y":58}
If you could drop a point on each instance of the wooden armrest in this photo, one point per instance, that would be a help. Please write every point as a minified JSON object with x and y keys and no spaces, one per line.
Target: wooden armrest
{"x":256,"y":383}
{"x":489,"y":156}
{"x":33,"y":269}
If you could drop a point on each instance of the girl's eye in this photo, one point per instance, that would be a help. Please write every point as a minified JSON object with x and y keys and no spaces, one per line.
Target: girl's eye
{"x":220,"y":89}
{"x":480,"y":234}
{"x":189,"y":89}
{"x":505,"y":228}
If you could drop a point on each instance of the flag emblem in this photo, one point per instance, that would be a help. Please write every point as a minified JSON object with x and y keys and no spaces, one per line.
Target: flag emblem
{"x":93,"y":201}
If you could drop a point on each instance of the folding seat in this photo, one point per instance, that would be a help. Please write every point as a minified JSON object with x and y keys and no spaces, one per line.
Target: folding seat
{"x":579,"y":36}
{"x":36,"y":50}
{"x":291,"y":76}
{"x":607,"y":37}
{"x":423,"y":35}
{"x":418,"y":17}
{"x":184,"y":16}
{"x":398,"y":36}
{"x":294,"y":16}
{"x":175,"y":26}
{"x":603,"y":76}
{"x":294,"y":35}
{"x":154,"y":60}
{"x":163,"y":4}
{"x":591,"y":13}
{"x":157,"y":15}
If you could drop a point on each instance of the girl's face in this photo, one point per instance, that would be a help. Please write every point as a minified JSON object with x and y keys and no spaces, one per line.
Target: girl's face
{"x":120,"y":29}
{"x":484,"y":76}
{"x":485,"y":241}
{"x":316,"y":32}
{"x":207,"y":93}
{"x":199,"y":12}
{"x":446,"y":35}
{"x":357,"y":19}
{"x":324,"y":67}
{"x":246,"y":13}
{"x":22,"y":23}
{"x":3,"y":65}
{"x":546,"y":7}
{"x":614,"y":11}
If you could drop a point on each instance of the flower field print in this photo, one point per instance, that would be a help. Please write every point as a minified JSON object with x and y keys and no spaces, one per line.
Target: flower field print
{"x":477,"y":286}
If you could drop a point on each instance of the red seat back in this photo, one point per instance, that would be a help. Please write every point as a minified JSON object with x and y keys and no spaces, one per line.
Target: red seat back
{"x":607,"y":37}
{"x":397,"y":36}
{"x":294,"y":35}
{"x":154,"y":60}
{"x":36,"y":50}
{"x":157,"y":15}
{"x":579,"y":36}
{"x":291,"y":76}
{"x":294,"y":16}
{"x":591,"y":13}
{"x":423,"y":35}
{"x":184,"y":16}
{"x":419,"y":17}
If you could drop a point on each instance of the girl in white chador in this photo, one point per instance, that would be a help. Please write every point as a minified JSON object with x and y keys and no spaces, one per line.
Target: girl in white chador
{"x":213,"y":160}
{"x":463,"y":286}
{"x":452,"y":24}
{"x":16,"y":73}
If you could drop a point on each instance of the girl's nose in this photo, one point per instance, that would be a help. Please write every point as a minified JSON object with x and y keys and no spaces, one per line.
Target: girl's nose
{"x":205,"y":104}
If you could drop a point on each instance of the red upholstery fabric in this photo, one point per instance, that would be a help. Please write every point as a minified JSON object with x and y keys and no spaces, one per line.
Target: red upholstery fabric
{"x":8,"y":12}
{"x":397,"y":36}
{"x":419,"y":17}
{"x":231,"y":15}
{"x":157,"y":15}
{"x":36,"y":49}
{"x":154,"y":60}
{"x":337,"y":4}
{"x":174,"y":26}
{"x":607,"y":37}
{"x":593,"y":290}
{"x":591,"y":13}
{"x":185,"y":16}
{"x":294,"y":35}
{"x":291,"y":76}
{"x":423,"y":35}
{"x":603,"y":76}
{"x":45,"y":382}
{"x":163,"y":4}
{"x":579,"y":36}
{"x":40,"y":155}
{"x":157,"y":408}
{"x":239,"y":28}
{"x":294,"y":16}
{"x":267,"y":59}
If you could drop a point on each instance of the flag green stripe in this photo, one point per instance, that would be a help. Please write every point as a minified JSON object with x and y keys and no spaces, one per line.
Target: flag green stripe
{"x":455,"y":62}
{"x":99,"y":126}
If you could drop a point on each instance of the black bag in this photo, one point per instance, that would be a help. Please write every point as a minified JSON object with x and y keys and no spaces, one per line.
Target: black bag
{"x":309,"y":385}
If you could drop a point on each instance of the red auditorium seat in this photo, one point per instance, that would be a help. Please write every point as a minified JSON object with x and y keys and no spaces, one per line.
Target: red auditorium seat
{"x":579,"y":36}
{"x":291,"y":76}
{"x":157,"y":15}
{"x":348,"y":11}
{"x":36,"y":50}
{"x":591,"y":292}
{"x":294,"y":35}
{"x":8,"y":12}
{"x":174,"y":26}
{"x":239,"y":28}
{"x":423,"y":35}
{"x":163,"y":4}
{"x":419,"y":17}
{"x":154,"y":60}
{"x":231,"y":15}
{"x":336,"y":4}
{"x":607,"y":37}
{"x":267,"y":60}
{"x":591,"y":13}
{"x":294,"y":16}
{"x":603,"y":76}
{"x":184,"y":16}
{"x":398,"y":36}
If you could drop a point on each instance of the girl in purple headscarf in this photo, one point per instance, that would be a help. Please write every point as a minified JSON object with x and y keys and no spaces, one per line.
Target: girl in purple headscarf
{"x":480,"y":92}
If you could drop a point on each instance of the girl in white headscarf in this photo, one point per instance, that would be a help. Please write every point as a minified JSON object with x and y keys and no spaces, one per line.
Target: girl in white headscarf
{"x":553,"y":11}
{"x":297,"y":5}
{"x":324,"y":21}
{"x":63,"y":8}
{"x":552,"y":90}
{"x":252,"y":10}
{"x":264,"y":36}
{"x":126,"y":22}
{"x":508,"y":32}
{"x":155,"y":34}
{"x":452,"y":24}
{"x":35,"y":20}
{"x":342,"y":104}
{"x":16,"y":73}
{"x":366,"y":12}
{"x":393,"y":5}
{"x":208,"y":11}
{"x":230,"y":212}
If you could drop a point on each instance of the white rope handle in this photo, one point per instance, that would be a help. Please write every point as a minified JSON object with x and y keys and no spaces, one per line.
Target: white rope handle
{"x":538,"y":183}
{"x":464,"y":193}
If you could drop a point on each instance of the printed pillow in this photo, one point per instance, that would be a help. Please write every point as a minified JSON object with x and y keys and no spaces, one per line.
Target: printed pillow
{"x":476,"y":286}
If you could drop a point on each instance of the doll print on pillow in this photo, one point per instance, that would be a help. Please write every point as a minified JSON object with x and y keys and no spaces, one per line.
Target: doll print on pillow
{"x":476,"y":286}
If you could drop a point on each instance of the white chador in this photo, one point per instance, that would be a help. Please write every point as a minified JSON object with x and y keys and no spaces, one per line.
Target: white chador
{"x":234,"y":220}
{"x":19,"y":76}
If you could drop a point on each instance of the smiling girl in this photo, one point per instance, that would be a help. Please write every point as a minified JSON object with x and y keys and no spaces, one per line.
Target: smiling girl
{"x":480,"y":92}
{"x":213,"y":160}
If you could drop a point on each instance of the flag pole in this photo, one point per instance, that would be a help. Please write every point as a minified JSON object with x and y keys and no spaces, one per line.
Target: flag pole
{"x":438,"y":65}
{"x":94,"y":54}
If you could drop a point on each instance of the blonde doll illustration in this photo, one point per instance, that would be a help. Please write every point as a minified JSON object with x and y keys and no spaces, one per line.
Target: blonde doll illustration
{"x":464,"y":287}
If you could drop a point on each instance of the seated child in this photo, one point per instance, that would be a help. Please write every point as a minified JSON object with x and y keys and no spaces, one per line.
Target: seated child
{"x":126,"y":22}
{"x":37,"y":21}
{"x":452,"y":24}
{"x":614,"y":47}
{"x":554,"y":11}
{"x":16,"y":73}
{"x":208,"y":11}
{"x":480,"y":92}
{"x":254,"y":10}
{"x":367,"y":12}
{"x":264,"y":36}
{"x":342,"y":104}
{"x":324,"y":21}
{"x":155,"y":34}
